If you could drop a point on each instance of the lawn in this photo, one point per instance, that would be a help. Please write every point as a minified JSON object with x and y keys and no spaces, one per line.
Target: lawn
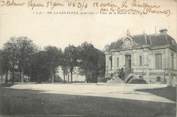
{"x":30,"y":103}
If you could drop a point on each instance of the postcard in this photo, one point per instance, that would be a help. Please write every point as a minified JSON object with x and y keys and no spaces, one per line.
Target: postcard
{"x":88,"y":58}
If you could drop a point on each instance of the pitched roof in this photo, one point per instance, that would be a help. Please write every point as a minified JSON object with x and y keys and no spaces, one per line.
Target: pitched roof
{"x":153,"y":40}
{"x":140,"y":39}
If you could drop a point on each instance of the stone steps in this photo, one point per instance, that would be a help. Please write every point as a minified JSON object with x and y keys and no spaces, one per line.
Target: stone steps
{"x":115,"y":80}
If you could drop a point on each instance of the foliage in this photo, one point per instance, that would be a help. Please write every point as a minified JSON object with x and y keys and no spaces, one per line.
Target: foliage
{"x":92,"y":61}
{"x":53,"y":57}
{"x":40,"y":70}
{"x":26,"y":49}
{"x":10,"y":52}
{"x":21,"y":56}
{"x":4,"y":65}
{"x":45,"y":64}
{"x":71,"y":57}
{"x":1,"y":63}
{"x":64,"y":66}
{"x":17,"y":53}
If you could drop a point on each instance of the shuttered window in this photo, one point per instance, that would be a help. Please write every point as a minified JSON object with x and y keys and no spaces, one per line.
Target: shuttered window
{"x":141,"y":61}
{"x":172,"y":61}
{"x":158,"y":61}
{"x":117,"y":61}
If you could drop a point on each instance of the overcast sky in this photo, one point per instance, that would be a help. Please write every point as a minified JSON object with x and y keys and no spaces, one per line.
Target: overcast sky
{"x":100,"y":30}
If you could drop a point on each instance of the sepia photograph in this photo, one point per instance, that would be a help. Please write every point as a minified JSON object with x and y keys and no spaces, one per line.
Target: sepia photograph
{"x":88,"y":58}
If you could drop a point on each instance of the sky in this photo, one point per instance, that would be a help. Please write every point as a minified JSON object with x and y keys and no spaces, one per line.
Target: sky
{"x":100,"y":30}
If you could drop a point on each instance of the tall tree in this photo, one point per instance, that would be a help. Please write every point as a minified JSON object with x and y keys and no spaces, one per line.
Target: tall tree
{"x":92,"y":61}
{"x":10,"y":54}
{"x":64,"y":66}
{"x":25,"y":50}
{"x":18,"y":51}
{"x":4,"y":64}
{"x":1,"y":65}
{"x":39,"y":69}
{"x":54,"y":57}
{"x":45,"y":64}
{"x":71,"y":56}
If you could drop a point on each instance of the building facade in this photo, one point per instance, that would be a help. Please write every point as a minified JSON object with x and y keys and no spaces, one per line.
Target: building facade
{"x":151,"y":57}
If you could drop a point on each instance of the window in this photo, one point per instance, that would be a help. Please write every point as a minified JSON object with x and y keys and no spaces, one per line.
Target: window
{"x":118,"y":62}
{"x":141,"y":61}
{"x":110,"y":58}
{"x":172,"y":61}
{"x":158,"y":79}
{"x":158,"y":61}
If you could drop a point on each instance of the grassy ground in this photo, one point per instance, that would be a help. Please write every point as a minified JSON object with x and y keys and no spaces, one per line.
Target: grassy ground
{"x":167,"y":92}
{"x":30,"y":103}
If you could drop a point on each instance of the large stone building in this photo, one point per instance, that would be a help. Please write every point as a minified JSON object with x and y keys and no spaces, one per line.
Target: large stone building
{"x":151,"y":57}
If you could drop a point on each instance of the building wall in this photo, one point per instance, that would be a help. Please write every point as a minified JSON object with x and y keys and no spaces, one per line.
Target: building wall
{"x":77,"y":77}
{"x":147,"y":69}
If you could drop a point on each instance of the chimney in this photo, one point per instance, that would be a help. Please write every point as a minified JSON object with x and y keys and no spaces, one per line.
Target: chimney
{"x":145,"y":37}
{"x":128,"y":32}
{"x":163,"y":31}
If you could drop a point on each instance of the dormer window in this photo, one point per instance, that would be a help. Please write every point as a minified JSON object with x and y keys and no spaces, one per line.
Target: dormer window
{"x":173,"y":42}
{"x":163,"y":31}
{"x":127,"y":43}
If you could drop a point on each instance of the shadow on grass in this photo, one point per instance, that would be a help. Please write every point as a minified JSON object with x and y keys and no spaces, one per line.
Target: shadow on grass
{"x":37,"y":104}
{"x":6,"y":85}
{"x":167,"y":92}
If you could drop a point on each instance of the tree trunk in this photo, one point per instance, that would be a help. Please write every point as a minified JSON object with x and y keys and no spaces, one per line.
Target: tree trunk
{"x":13,"y":75}
{"x":68,"y":78}
{"x":20,"y":73}
{"x":22,"y":76}
{"x":30,"y":76}
{"x":71,"y":76}
{"x":71,"y":72}
{"x":88,"y":75}
{"x":1,"y":77}
{"x":64,"y":75}
{"x":6,"y":77}
{"x":52,"y":76}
